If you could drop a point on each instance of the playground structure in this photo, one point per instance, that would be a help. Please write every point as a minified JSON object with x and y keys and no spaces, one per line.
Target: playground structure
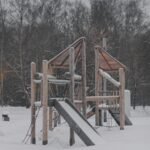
{"x":109,"y":97}
{"x":67,"y":61}
{"x":59,"y":74}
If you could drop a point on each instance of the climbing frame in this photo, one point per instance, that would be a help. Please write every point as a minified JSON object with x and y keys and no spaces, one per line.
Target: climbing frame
{"x":104,"y":65}
{"x":65,"y":61}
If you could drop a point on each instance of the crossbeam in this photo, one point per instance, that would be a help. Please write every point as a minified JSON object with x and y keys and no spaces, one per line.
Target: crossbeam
{"x":37,"y":81}
{"x":76,"y":76}
{"x":39,"y":75}
{"x":55,"y":81}
{"x":58,"y":81}
{"x":101,"y":98}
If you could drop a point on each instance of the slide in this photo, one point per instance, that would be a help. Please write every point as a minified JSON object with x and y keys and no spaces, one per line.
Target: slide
{"x":115,"y":114}
{"x":77,"y":122}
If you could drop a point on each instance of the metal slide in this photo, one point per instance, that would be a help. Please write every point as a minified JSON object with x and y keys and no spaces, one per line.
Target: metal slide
{"x":77,"y":122}
{"x":115,"y":114}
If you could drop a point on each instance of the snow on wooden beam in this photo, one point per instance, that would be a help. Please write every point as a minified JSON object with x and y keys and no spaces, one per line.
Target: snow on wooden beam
{"x":55,"y":81}
{"x":38,"y":104}
{"x":109,"y":78}
{"x":58,"y":81}
{"x":101,"y":98}
{"x":37,"y":81}
{"x":76,"y":76}
{"x":39,"y":75}
{"x":78,"y":101}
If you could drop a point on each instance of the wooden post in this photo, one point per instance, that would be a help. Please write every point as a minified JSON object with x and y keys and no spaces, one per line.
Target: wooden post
{"x":55,"y":119}
{"x":104,"y":80}
{"x":33,"y":91}
{"x":50,"y":118}
{"x":71,"y":69}
{"x":50,"y":71}
{"x":45,"y":102}
{"x":104,"y":43}
{"x":122,"y":99}
{"x":97,"y":85}
{"x":104,"y":116}
{"x":84,"y":78}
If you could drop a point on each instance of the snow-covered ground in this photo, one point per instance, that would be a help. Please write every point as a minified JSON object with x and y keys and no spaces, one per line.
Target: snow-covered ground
{"x":134,"y":137}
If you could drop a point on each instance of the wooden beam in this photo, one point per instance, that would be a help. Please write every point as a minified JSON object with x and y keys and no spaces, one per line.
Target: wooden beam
{"x":109,"y":78}
{"x":58,"y":81}
{"x":104,"y":79}
{"x":50,"y":118}
{"x":122,"y":98}
{"x":76,"y":76}
{"x":45,"y":102}
{"x":78,"y":54}
{"x":60,"y":67}
{"x":104,"y":116}
{"x":33,"y":91}
{"x":39,"y":75}
{"x":104,"y":43}
{"x":101,"y":98}
{"x":97,"y":85}
{"x":78,"y":101}
{"x":37,"y":81}
{"x":50,"y":72}
{"x":72,"y":85}
{"x":83,"y":52}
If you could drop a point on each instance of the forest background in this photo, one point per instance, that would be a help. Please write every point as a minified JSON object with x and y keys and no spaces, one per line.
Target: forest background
{"x":33,"y":30}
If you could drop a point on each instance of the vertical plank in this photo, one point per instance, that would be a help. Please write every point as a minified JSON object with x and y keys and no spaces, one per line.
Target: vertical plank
{"x":97,"y":85}
{"x":105,"y":43}
{"x":71,"y":69}
{"x":104,"y":80}
{"x":122,"y":98}
{"x":50,"y":118}
{"x":50,"y":71}
{"x":45,"y":102}
{"x":33,"y":91}
{"x":104,"y":116}
{"x":55,"y":119}
{"x":84,"y":78}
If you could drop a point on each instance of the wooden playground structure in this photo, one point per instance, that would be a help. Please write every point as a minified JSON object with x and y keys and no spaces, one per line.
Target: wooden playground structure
{"x":66,"y":73}
{"x":105,"y":63}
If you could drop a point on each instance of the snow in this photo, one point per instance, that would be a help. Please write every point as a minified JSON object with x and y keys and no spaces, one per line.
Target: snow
{"x":134,"y":137}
